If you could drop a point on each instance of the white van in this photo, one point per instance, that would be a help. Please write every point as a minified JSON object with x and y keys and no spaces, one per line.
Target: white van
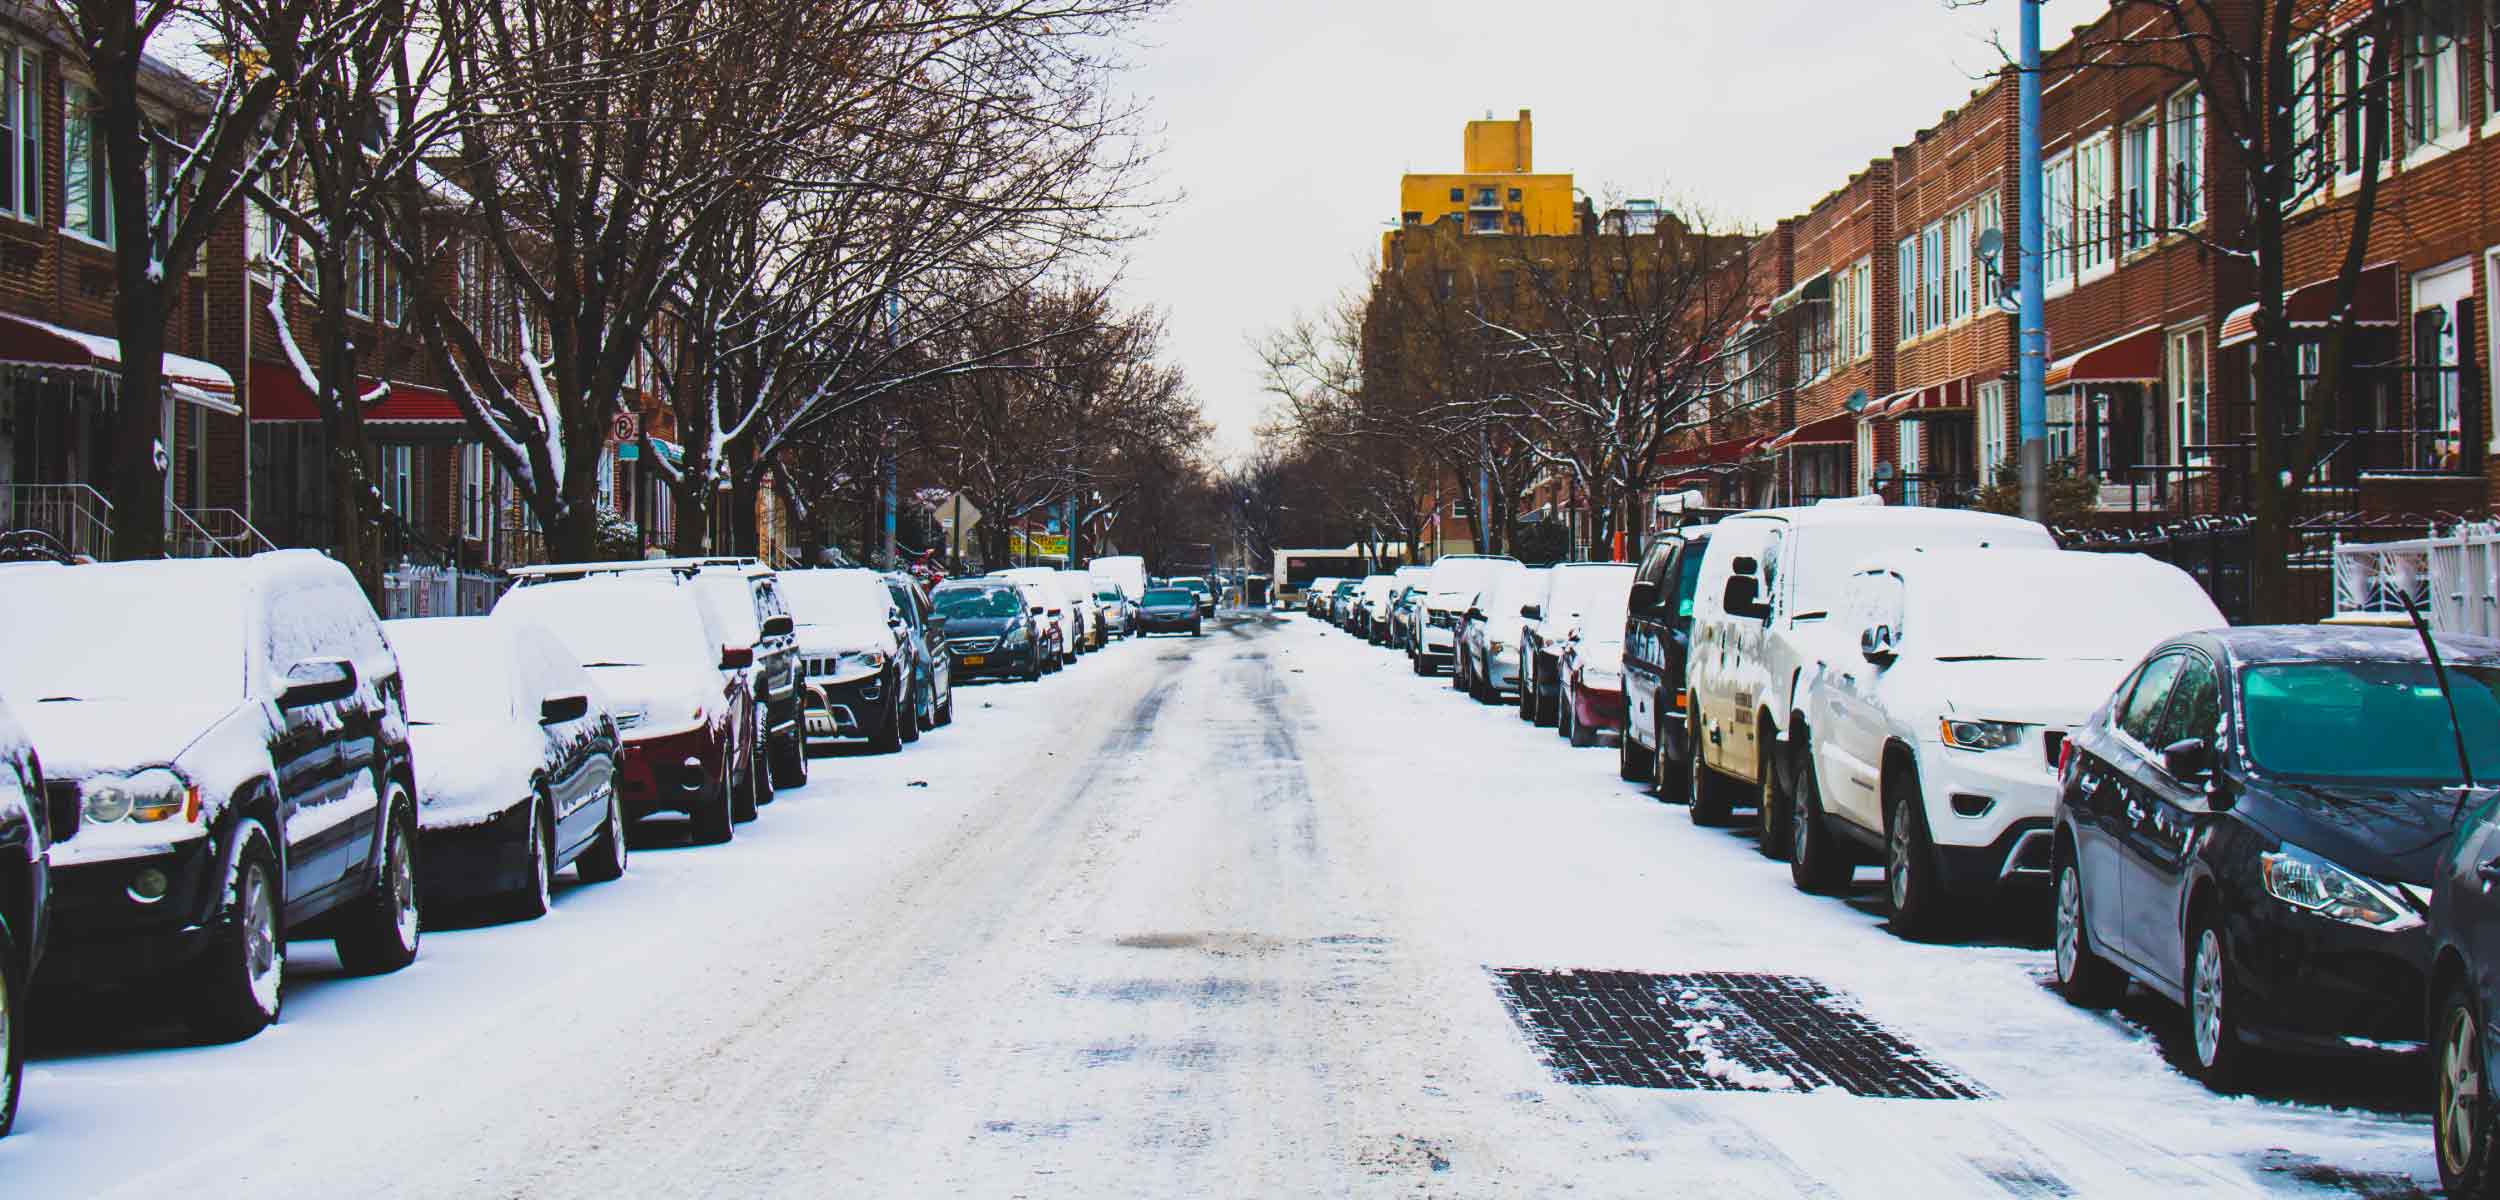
{"x":1128,"y":571}
{"x":1763,"y":612}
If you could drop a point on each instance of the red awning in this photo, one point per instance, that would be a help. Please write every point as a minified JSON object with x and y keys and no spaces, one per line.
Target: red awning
{"x":2129,"y":358}
{"x":1712,"y":455}
{"x":29,"y":342}
{"x":2312,"y":306}
{"x":1952,"y":395}
{"x":278,"y":394}
{"x":1840,"y":429}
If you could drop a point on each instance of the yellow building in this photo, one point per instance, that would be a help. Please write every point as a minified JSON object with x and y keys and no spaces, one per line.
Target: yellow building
{"x":1498,"y":192}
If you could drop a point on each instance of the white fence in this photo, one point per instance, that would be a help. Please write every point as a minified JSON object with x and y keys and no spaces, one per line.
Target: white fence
{"x":2454,"y":577}
{"x":413,"y":591}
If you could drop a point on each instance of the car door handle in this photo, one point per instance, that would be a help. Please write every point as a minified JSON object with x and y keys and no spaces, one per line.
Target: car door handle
{"x":2136,"y":812}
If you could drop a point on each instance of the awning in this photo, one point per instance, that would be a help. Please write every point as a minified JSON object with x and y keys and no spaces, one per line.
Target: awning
{"x":1838,"y":430}
{"x":278,"y":394}
{"x":25,"y":341}
{"x":2128,"y":358}
{"x":2312,"y":306}
{"x":1953,"y":395}
{"x":1819,"y":287}
{"x":1712,"y":455}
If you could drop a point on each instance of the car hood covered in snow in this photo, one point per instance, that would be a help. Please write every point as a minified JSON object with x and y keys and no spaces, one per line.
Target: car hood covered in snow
{"x":848,"y":637}
{"x":2055,"y":692}
{"x":78,"y":738}
{"x":656,"y":693}
{"x":470,"y":771}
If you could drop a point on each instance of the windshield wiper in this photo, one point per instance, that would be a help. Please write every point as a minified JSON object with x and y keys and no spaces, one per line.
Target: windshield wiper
{"x":1810,"y":616}
{"x":611,"y":664}
{"x":1987,"y":658}
{"x":60,"y":699}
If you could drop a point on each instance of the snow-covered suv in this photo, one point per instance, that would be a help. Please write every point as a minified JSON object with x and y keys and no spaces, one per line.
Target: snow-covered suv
{"x":1455,"y":582}
{"x":1762,"y":613}
{"x":1547,"y":621}
{"x":1933,"y":741}
{"x":233,"y":733}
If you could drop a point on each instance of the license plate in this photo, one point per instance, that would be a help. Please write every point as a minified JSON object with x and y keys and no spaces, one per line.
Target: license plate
{"x":974,"y":660}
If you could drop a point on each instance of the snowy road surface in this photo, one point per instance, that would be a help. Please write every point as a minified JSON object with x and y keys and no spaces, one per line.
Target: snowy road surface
{"x":1218,"y":916}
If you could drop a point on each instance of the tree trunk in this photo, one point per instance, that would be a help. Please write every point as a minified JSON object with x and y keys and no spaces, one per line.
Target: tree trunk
{"x":692,"y":495}
{"x":138,"y":482}
{"x":745,"y":530}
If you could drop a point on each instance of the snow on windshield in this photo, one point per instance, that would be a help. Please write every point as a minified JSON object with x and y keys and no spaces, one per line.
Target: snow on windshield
{"x":976,"y":603}
{"x":135,"y":632}
{"x":2085,"y":609}
{"x":835,"y":597}
{"x":1515,"y":589}
{"x":454,"y":668}
{"x":617,"y":621}
{"x":729,"y":602}
{"x":1465,"y":576}
{"x":1577,"y":588}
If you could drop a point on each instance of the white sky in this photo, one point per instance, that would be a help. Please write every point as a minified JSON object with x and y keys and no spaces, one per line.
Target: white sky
{"x":1286,"y":124}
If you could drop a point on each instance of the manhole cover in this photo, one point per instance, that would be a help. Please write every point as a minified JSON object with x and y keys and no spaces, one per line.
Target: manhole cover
{"x":1718,"y":1031}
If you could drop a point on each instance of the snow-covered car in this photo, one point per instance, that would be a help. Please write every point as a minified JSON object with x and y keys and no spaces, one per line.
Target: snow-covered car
{"x":1933,"y":744}
{"x":1124,"y":571}
{"x":516,"y":762}
{"x":1315,"y":597}
{"x":1455,"y":582}
{"x":1064,"y":608}
{"x":1762,"y":613}
{"x":1371,"y":609}
{"x":1119,"y":616}
{"x":1486,"y":663}
{"x":859,"y":681}
{"x":1588,"y":667}
{"x":26,"y":828}
{"x":1548,"y":620}
{"x":988,"y":630}
{"x":232,"y":731}
{"x":676,"y":692}
{"x":1098,"y":615}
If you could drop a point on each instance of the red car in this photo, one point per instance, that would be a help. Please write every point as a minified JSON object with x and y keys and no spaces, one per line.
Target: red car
{"x":1589,"y":670}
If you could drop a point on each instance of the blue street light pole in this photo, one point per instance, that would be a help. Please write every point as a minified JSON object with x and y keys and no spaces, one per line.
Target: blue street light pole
{"x":2032,"y":397}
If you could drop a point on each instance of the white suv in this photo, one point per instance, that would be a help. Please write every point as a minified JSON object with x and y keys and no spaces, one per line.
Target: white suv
{"x":1455,"y":581}
{"x":1762,"y":613}
{"x":1933,"y":741}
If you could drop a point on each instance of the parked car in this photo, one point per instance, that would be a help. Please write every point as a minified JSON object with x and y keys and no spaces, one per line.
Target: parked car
{"x":922,"y":637}
{"x":1455,"y":582}
{"x":1547,"y":619}
{"x":1588,"y":667}
{"x":859,"y":679}
{"x":1098,"y":614}
{"x":1067,"y":610}
{"x":2463,"y":990}
{"x":1050,"y":630}
{"x":1341,"y":601}
{"x":988,"y":630}
{"x":516,"y":763}
{"x":1125,"y":571}
{"x":1405,"y":606}
{"x":1932,"y":746}
{"x":232,"y":732}
{"x":676,"y":690}
{"x":26,"y":831}
{"x":1370,"y":615}
{"x":1657,"y":631}
{"x":1205,"y":591}
{"x":1485,"y":664}
{"x":1769,"y":582}
{"x":2250,"y":827}
{"x":1169,"y":610}
{"x":1119,"y":617}
{"x":1315,"y":597}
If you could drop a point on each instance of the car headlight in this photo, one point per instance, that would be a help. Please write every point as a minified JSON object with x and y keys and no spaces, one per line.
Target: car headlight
{"x":144,"y":797}
{"x":1015,"y":637}
{"x":863,"y":660}
{"x":2308,"y":882}
{"x":1981,"y":735}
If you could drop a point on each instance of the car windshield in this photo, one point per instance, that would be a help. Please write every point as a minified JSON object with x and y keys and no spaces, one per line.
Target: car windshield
{"x":1510,"y":592}
{"x":835,"y":597}
{"x":617,"y":623}
{"x":976,"y":603}
{"x":2057,"y":607}
{"x":730,"y":603}
{"x":1577,"y":588}
{"x":1195,"y":585}
{"x":121,"y":634}
{"x":1465,"y":576}
{"x":2302,"y":719}
{"x":455,"y":669}
{"x":1169,"y":597}
{"x":1106,"y":595}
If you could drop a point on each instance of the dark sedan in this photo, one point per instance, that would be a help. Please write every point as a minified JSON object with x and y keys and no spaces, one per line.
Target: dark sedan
{"x":988,"y":631}
{"x":1169,"y":610}
{"x":2249,"y":827}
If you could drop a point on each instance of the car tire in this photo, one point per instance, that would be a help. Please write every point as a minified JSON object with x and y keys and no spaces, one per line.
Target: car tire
{"x":240,"y":982}
{"x":2084,"y":978}
{"x":1458,"y":673}
{"x":384,"y":933}
{"x":908,"y":723}
{"x":1033,"y":667}
{"x":536,"y":894}
{"x":2219,"y":1057}
{"x":1771,"y":816}
{"x":1527,"y":685}
{"x":1420,"y":665}
{"x":742,"y":794}
{"x":716,"y":822}
{"x":1706,"y":796}
{"x":12,"y":1031}
{"x":604,"y":861}
{"x":1816,"y":864}
{"x":759,"y":789}
{"x":1548,"y":710}
{"x":1666,"y":775}
{"x":889,"y":736}
{"x":2462,"y":1127}
{"x":1198,"y":630}
{"x":788,"y":757}
{"x":1911,"y":883}
{"x":1580,"y":735}
{"x":946,"y":707}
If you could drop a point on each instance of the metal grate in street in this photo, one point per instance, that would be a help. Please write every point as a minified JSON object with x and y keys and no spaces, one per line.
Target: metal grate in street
{"x":1718,"y":1031}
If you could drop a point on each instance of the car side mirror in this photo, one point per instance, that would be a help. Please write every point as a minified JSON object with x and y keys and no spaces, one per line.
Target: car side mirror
{"x":1644,"y":596}
{"x":317,"y":681}
{"x":937,"y":624}
{"x":1744,"y":564}
{"x":2188,"y":759}
{"x":558,"y":709}
{"x":1533,"y":612}
{"x":734,"y":658}
{"x":1038,"y":610}
{"x":777,"y":627}
{"x":1875,"y":642}
{"x":1475,"y":614}
{"x":1743,"y":598}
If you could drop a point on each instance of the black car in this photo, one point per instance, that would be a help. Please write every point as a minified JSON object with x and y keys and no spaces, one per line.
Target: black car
{"x":26,"y":829}
{"x":239,"y":758}
{"x":861,"y":674}
{"x":1656,"y":637}
{"x":2249,"y":827}
{"x":2465,"y":974}
{"x":921,"y":634}
{"x":1169,"y":610}
{"x":988,"y":630}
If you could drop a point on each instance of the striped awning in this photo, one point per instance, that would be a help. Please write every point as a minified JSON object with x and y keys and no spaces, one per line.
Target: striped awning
{"x":2131,"y":357}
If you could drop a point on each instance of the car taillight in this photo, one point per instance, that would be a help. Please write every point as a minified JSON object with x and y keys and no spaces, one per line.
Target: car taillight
{"x":2065,"y":759}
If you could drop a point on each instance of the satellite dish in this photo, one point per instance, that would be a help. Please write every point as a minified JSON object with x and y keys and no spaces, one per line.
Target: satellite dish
{"x":1991,"y":243}
{"x":1883,"y":472}
{"x":1857,"y":401}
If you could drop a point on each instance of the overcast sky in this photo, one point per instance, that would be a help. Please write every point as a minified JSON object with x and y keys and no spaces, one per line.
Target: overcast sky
{"x":1286,"y":124}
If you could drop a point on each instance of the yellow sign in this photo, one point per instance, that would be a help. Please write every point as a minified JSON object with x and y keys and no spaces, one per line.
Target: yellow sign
{"x":1039,"y":545}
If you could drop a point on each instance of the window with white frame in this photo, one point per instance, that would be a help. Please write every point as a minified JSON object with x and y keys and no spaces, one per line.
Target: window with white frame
{"x":86,"y":194}
{"x":359,"y":268}
{"x":2136,"y":184}
{"x":2059,"y":409}
{"x":2183,"y":158}
{"x":2092,"y":198}
{"x":398,"y":480}
{"x":21,"y":141}
{"x":2361,"y":111}
{"x":2309,"y":170}
{"x":1866,"y":457}
{"x":1905,"y":273}
{"x":1958,"y":287}
{"x":1992,"y":441}
{"x":1992,"y":275}
{"x":2185,"y":367}
{"x":1931,"y":274}
{"x":476,"y":485}
{"x":1865,"y":290}
{"x":2057,"y":216}
{"x":1905,"y":458}
{"x":2434,"y":96}
{"x":1844,"y":320}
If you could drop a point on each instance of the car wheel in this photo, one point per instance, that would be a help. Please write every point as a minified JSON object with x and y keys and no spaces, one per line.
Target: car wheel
{"x":1771,"y":815}
{"x":889,"y":736}
{"x":946,"y":707}
{"x":1706,"y":795}
{"x":1667,"y":775}
{"x":1580,"y":734}
{"x":1910,"y":884}
{"x":908,"y":722}
{"x":384,"y":936}
{"x":2461,"y":1115}
{"x":1527,"y":686}
{"x":12,"y":1032}
{"x":1815,"y":864}
{"x":240,"y":980}
{"x":536,"y":894}
{"x":1458,"y":673}
{"x":2085,"y":978}
{"x":759,"y":790}
{"x":717,"y":821}
{"x":1033,"y":667}
{"x":2213,"y":1007}
{"x":605,"y":860}
{"x":742,"y":793}
{"x":1198,"y":630}
{"x":1631,"y":762}
{"x":1420,"y":665}
{"x":789,"y":759}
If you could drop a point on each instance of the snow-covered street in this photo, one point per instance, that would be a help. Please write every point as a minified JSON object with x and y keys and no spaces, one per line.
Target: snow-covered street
{"x":1247,"y":914}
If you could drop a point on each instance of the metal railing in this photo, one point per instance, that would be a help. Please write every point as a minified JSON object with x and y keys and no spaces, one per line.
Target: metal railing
{"x":411,"y":590}
{"x":74,"y":514}
{"x":2453,"y":577}
{"x":211,"y":533}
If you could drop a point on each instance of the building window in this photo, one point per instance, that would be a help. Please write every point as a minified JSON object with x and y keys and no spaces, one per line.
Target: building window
{"x":1906,"y":271}
{"x":1484,"y":222}
{"x":2183,"y":160}
{"x":398,"y":481}
{"x":1458,"y":195}
{"x":2185,"y":368}
{"x":1514,"y":195}
{"x":2309,"y":172}
{"x":2057,"y":214}
{"x":2434,"y":99}
{"x":86,"y":193}
{"x":1865,"y":292}
{"x":2092,"y":200}
{"x":1906,"y":458}
{"x":476,"y":484}
{"x":1866,"y":457}
{"x":21,"y":133}
{"x":1992,"y":441}
{"x":1992,"y":275}
{"x":2136,"y":183}
{"x":1931,"y":273}
{"x":2362,"y":118}
{"x":607,"y":477}
{"x":1963,"y":265}
{"x":359,"y":268}
{"x":1844,"y":320}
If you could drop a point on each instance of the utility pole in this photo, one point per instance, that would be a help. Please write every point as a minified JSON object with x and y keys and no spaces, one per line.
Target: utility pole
{"x":2031,"y":392}
{"x":885,"y":438}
